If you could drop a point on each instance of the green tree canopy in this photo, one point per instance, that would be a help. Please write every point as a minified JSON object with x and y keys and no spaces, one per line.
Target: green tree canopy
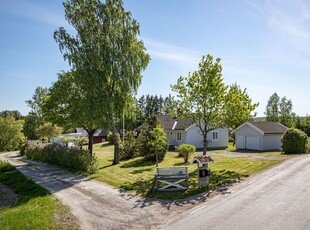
{"x":106,"y":56}
{"x":152,"y":141}
{"x":272,"y":108}
{"x":13,"y":113}
{"x":49,"y":130}
{"x":280,"y":110}
{"x":304,"y":124}
{"x":238,"y":107}
{"x":201,"y":96}
{"x":35,"y":103}
{"x":67,"y":105}
{"x":11,"y":135}
{"x":32,"y":122}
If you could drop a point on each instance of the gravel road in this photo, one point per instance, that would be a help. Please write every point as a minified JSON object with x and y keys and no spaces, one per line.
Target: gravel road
{"x":97,"y":205}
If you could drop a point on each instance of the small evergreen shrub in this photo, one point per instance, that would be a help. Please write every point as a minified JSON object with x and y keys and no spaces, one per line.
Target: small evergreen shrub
{"x":152,"y":142}
{"x":129,"y":148}
{"x":294,"y":141}
{"x":185,"y":150}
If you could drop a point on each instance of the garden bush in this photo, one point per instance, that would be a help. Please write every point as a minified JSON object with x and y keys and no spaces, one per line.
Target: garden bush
{"x":185,"y":150}
{"x":73,"y":158}
{"x":129,"y":148}
{"x":152,"y":142}
{"x":110,"y":138}
{"x":294,"y":141}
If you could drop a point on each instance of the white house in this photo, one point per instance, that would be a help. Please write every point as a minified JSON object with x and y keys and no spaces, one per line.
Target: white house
{"x":259,"y":135}
{"x":59,"y":139}
{"x":184,"y":131}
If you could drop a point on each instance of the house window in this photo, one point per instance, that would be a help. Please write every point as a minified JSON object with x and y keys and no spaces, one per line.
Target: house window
{"x":179,"y":136}
{"x":215,"y":136}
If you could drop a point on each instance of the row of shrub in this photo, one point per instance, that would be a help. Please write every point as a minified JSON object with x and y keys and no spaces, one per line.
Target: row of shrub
{"x":72,"y":158}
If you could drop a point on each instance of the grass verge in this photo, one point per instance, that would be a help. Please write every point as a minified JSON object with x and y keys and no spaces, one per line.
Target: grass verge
{"x":36,"y":207}
{"x":137,"y":175}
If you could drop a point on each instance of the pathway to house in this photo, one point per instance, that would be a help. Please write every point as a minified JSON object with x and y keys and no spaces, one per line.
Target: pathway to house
{"x":97,"y":205}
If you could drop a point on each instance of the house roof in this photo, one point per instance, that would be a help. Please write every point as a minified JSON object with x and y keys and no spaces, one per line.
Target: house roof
{"x":99,"y":132}
{"x":174,"y":123}
{"x":269,"y":127}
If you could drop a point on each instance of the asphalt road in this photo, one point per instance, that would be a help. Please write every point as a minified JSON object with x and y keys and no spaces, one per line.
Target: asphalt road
{"x":275,"y":199}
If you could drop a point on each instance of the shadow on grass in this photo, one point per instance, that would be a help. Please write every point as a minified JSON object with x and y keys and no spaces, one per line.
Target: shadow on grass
{"x":137,"y":163}
{"x":137,"y":171}
{"x":26,"y":188}
{"x":218,"y":181}
{"x":106,"y":166}
{"x":106,"y":144}
{"x":182,"y":164}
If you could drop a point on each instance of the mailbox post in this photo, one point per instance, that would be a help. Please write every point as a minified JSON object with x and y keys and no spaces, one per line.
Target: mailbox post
{"x":203,"y":170}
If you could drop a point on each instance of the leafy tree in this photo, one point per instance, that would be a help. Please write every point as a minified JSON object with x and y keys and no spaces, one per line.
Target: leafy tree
{"x":13,"y":113}
{"x":286,"y":116}
{"x":185,"y":150}
{"x":152,"y":141}
{"x":272,"y":108}
{"x":158,"y":145}
{"x":48,"y":130}
{"x":304,"y":124}
{"x":280,"y":110}
{"x":11,"y":135}
{"x":201,"y":97}
{"x":68,"y":105}
{"x":107,"y":57}
{"x":129,"y":146}
{"x":150,"y":104}
{"x":168,"y":105}
{"x":32,"y":123}
{"x":37,"y":100}
{"x":238,"y":107}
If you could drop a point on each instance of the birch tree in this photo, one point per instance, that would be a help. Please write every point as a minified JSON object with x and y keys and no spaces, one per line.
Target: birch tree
{"x":106,"y":55}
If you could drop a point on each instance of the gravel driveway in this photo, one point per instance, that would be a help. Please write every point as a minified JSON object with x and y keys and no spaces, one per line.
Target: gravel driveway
{"x":100,"y":206}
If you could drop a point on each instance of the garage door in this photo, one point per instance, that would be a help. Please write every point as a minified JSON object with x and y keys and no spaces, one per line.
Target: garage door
{"x":240,"y":142}
{"x":252,"y":143}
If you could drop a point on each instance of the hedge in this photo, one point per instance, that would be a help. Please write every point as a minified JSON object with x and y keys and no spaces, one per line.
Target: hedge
{"x":72,"y":158}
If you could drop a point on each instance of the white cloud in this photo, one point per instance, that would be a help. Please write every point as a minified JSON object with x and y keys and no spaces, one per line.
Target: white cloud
{"x":172,"y":53}
{"x":34,"y":11}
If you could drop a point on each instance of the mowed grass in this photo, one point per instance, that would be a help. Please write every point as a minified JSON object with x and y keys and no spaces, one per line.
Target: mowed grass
{"x":137,"y":175}
{"x":36,"y":207}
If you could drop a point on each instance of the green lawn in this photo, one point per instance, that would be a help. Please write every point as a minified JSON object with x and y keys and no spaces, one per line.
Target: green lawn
{"x":137,"y":176}
{"x":36,"y":207}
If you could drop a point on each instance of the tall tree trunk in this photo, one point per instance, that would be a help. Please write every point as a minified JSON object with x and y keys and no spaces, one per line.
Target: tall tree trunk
{"x":205,"y":144}
{"x":90,"y":141}
{"x":116,"y":145}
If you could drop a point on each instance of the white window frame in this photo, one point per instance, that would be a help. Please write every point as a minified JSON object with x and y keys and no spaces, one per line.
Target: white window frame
{"x":179,"y":136}
{"x":217,"y":136}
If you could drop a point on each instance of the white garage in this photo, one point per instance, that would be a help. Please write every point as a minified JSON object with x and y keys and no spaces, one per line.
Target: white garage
{"x":259,"y":136}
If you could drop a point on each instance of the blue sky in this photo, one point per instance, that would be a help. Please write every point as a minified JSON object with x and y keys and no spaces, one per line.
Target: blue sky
{"x":264,"y":46}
